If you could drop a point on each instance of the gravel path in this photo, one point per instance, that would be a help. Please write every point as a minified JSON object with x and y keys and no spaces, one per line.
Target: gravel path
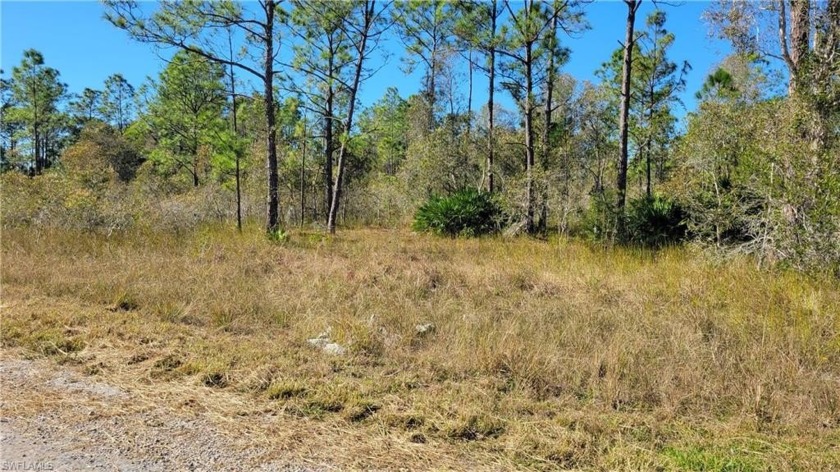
{"x":53,"y":419}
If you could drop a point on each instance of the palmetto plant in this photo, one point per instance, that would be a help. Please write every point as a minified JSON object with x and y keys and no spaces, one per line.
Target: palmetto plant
{"x":464,"y":213}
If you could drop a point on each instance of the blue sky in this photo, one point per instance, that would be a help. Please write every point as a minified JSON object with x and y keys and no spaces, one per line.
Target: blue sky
{"x":76,"y":40}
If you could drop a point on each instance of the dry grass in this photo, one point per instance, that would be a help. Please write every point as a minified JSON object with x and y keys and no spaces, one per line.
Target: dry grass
{"x":544,"y":354}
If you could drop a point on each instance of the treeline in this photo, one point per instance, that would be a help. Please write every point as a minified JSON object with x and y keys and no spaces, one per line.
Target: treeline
{"x":257,"y":113}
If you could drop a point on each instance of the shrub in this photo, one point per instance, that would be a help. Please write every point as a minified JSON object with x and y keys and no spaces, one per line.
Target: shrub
{"x":655,"y":221}
{"x":464,"y":213}
{"x":597,"y":220}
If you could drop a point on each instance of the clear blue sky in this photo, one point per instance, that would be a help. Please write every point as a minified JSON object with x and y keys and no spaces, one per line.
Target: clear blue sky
{"x":76,"y":40}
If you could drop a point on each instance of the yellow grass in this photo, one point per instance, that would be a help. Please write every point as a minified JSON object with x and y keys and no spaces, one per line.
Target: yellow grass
{"x":544,"y":354}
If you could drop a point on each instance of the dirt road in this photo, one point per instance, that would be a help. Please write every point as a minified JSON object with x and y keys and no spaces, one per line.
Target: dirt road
{"x":57,"y":419}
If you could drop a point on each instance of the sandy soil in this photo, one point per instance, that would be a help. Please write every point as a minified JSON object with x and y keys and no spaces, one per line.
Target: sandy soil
{"x":56,"y":419}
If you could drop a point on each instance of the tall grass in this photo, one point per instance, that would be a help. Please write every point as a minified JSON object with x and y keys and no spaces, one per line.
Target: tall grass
{"x":543,"y":354}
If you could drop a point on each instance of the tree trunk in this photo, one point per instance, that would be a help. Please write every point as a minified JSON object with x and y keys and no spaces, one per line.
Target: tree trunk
{"x":432,"y":96}
{"x":361,"y":49}
{"x":649,"y":140}
{"x":195,"y":157}
{"x":45,"y":149}
{"x":272,"y":220}
{"x":529,"y":137}
{"x":238,"y":187}
{"x":648,"y":186}
{"x":39,"y":163}
{"x":315,"y":190}
{"x":546,"y":134}
{"x":329,"y":143}
{"x":621,"y":181}
{"x":235,"y":137}
{"x":303,"y":177}
{"x":119,"y":109}
{"x":800,"y":29}
{"x":469,"y":95}
{"x":490,"y":96}
{"x":36,"y":135}
{"x":795,"y":50}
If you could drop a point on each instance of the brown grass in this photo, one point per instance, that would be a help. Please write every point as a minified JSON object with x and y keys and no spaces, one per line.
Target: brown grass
{"x":544,"y":354}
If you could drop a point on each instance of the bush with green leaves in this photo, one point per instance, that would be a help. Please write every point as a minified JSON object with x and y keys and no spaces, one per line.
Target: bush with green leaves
{"x":596,"y":221}
{"x":655,"y":221}
{"x":467,"y":212}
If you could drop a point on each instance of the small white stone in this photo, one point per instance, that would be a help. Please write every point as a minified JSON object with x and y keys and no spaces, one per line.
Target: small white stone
{"x":425,"y":328}
{"x":334,"y":349}
{"x":319,"y":342}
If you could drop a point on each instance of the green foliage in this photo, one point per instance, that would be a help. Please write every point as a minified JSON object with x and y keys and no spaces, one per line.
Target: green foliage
{"x":718,"y":84}
{"x":437,"y":163}
{"x":327,"y":43}
{"x":465,"y":213}
{"x":597,"y":219}
{"x":185,"y":120}
{"x":476,"y":25}
{"x":101,"y":150}
{"x":86,"y":107}
{"x":278,"y":236}
{"x":655,"y":221}
{"x":753,"y":170}
{"x":656,"y":84}
{"x":384,"y":128}
{"x":425,"y":28}
{"x":36,"y":92}
{"x":754,"y":179}
{"x":116,"y":102}
{"x":701,"y":459}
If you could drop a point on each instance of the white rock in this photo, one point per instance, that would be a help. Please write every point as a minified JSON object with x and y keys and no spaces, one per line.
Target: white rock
{"x":319,"y":342}
{"x":424,"y":329}
{"x":324,"y":343}
{"x":334,"y":349}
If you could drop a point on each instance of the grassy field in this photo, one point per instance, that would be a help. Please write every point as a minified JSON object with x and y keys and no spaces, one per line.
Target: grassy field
{"x":543,"y":354}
